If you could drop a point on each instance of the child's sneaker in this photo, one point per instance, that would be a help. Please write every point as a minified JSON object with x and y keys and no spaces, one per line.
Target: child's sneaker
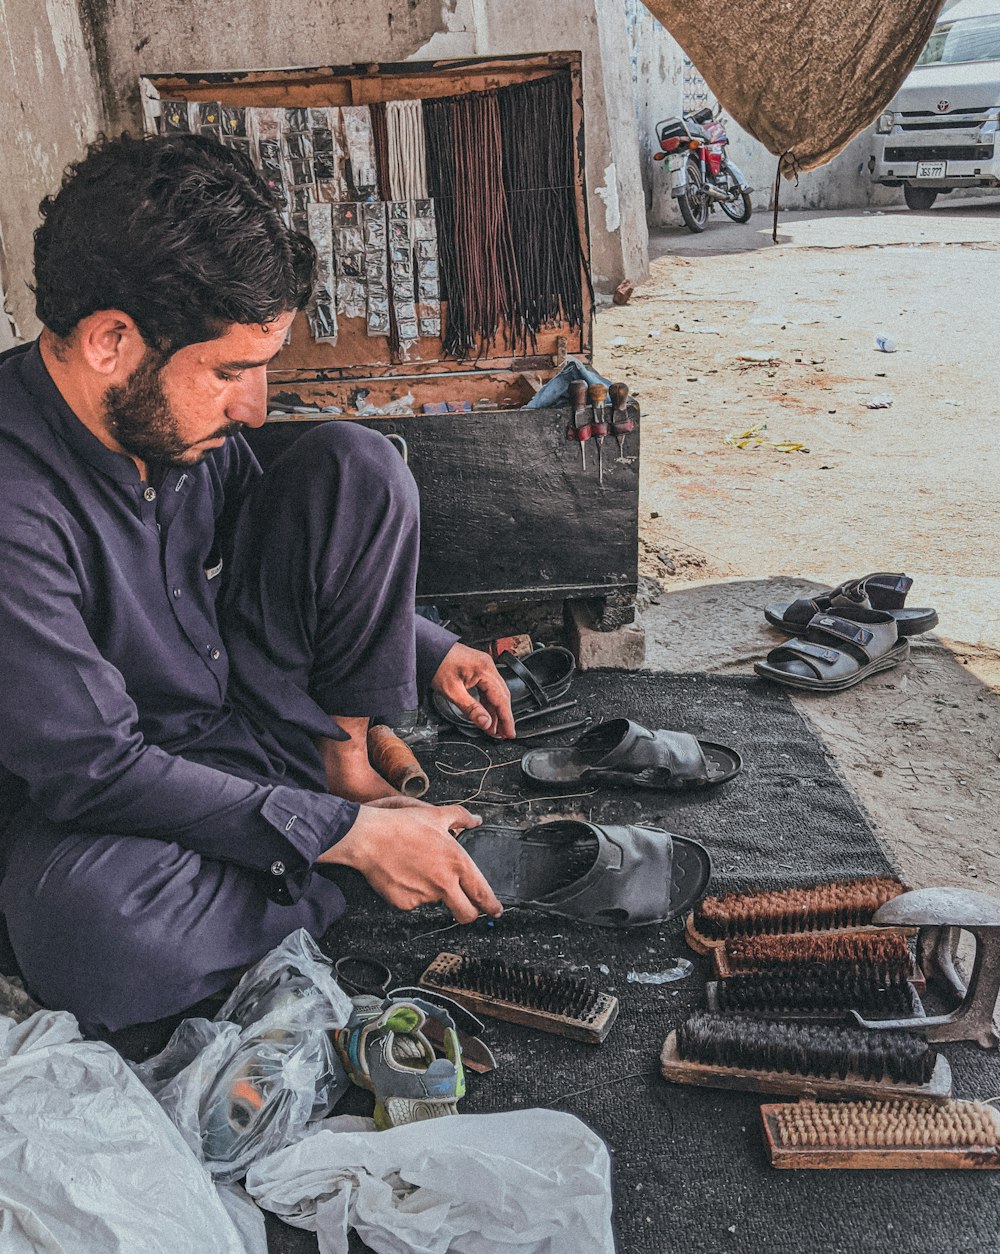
{"x":384,"y":1050}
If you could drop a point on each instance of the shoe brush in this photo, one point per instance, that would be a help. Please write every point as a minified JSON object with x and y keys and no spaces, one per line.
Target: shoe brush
{"x":895,"y":1135}
{"x":821,"y":907}
{"x":535,"y":997}
{"x":802,"y":1059}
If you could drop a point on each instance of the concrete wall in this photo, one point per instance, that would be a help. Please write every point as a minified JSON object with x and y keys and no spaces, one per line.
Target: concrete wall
{"x":661,"y":88}
{"x":49,"y":109}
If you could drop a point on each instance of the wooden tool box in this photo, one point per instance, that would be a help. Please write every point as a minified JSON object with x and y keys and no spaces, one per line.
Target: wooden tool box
{"x":509,"y":514}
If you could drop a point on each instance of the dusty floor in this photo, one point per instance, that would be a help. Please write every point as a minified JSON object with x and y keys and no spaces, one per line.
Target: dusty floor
{"x":913,"y":487}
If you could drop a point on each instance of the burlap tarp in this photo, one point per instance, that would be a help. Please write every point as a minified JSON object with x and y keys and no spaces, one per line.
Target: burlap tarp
{"x":802,"y":76}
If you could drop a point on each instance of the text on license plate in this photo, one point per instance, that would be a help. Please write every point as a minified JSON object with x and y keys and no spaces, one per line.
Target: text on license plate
{"x":931,"y":169}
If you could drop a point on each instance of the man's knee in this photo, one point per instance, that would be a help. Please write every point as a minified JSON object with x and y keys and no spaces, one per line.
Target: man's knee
{"x":360,"y":462}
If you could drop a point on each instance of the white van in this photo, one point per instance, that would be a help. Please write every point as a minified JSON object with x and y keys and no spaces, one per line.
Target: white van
{"x":940,"y":130}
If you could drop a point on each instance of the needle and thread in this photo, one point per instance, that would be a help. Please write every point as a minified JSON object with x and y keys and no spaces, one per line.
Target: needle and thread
{"x":450,"y":771}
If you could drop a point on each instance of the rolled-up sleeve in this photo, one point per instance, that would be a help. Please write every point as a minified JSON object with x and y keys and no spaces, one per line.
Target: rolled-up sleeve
{"x":70,"y":730}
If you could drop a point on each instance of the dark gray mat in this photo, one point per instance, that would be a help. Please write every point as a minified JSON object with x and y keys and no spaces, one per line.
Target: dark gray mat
{"x":690,"y":1171}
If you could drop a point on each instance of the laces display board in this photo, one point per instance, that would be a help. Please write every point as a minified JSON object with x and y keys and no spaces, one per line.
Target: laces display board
{"x":447,"y":204}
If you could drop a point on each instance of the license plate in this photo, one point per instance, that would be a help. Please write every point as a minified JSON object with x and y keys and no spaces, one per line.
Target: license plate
{"x":931,"y":169}
{"x":676,"y":163}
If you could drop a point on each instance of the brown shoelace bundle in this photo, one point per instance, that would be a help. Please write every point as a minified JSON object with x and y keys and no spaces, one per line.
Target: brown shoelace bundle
{"x":476,"y":248}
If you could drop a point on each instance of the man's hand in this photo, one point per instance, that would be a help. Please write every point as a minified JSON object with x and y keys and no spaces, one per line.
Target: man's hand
{"x":411,"y":858}
{"x":464,"y":668}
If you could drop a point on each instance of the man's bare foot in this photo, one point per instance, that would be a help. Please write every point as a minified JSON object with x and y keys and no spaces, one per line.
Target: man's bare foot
{"x":349,"y":774}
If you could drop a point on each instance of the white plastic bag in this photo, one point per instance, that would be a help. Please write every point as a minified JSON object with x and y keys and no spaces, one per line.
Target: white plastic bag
{"x":251,"y":1081}
{"x":528,"y":1181}
{"x":89,"y":1163}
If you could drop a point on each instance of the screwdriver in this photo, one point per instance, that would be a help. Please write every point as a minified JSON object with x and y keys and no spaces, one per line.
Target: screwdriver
{"x":621,"y":421}
{"x":597,"y":394}
{"x":581,"y":428}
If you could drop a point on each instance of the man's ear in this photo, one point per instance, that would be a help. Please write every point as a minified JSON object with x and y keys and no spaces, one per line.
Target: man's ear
{"x":110,"y":343}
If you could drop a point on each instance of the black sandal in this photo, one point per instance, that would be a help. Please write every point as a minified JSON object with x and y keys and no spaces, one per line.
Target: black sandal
{"x":837,"y":651}
{"x":534,"y":682}
{"x":621,"y":876}
{"x":619,"y":751}
{"x":879,"y":591}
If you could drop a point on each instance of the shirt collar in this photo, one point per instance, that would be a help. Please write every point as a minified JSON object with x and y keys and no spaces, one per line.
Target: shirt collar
{"x":67,"y":425}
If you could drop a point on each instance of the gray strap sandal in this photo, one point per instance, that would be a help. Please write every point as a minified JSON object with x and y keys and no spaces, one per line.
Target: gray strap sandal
{"x":623,"y":876}
{"x":837,"y":651}
{"x":881,"y":590}
{"x":619,"y":751}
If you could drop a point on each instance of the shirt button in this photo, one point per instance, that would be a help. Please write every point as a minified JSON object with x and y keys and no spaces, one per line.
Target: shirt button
{"x":214,"y":654}
{"x":150,"y":494}
{"x":277,"y":868}
{"x":176,"y":593}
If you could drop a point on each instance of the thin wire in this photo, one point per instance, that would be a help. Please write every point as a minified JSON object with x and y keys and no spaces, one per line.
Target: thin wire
{"x":631,"y":1075}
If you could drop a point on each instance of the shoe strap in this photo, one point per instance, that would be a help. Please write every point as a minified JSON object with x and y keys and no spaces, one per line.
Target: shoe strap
{"x":518,"y":668}
{"x":677,"y":753}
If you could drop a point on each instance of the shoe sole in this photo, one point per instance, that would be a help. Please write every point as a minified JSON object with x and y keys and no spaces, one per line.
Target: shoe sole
{"x":899,"y":653}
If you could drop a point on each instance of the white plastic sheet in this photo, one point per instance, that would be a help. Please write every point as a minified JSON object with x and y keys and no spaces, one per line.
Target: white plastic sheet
{"x":525,"y":1182}
{"x":89,"y":1164}
{"x":251,"y":1081}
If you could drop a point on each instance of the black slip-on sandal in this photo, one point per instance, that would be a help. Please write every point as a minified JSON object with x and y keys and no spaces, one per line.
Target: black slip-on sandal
{"x":619,"y":751}
{"x":534,"y":682}
{"x":609,"y":876}
{"x":837,"y":651}
{"x":878,"y":591}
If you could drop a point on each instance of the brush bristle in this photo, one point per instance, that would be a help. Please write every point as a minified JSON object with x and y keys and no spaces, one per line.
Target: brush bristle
{"x":844,"y":903}
{"x":755,"y":953}
{"x":555,"y":992}
{"x":896,"y":1124}
{"x":882,"y":991}
{"x":804,"y":1049}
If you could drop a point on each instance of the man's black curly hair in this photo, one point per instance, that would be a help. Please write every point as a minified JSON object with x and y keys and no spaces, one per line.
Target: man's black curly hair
{"x":177,"y":231}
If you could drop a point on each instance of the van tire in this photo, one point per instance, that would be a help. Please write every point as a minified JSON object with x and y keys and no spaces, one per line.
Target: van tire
{"x":919,"y":197}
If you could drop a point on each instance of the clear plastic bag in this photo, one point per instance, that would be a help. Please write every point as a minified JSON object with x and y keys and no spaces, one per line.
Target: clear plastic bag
{"x":253,"y":1080}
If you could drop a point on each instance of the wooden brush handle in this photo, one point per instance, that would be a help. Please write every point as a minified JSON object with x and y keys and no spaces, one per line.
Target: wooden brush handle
{"x":394,"y":761}
{"x":578,"y":393}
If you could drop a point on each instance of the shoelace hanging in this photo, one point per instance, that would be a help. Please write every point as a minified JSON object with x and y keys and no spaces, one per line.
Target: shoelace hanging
{"x":478,"y":266}
{"x":536,"y":126}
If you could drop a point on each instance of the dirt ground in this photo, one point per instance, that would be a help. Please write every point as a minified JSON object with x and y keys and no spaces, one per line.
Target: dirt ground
{"x":913,"y":487}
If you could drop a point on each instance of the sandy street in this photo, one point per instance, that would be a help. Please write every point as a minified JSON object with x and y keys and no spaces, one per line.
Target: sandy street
{"x":912,"y":487}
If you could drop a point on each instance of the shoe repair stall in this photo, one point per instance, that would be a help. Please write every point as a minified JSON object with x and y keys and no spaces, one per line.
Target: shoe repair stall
{"x":447,"y":202}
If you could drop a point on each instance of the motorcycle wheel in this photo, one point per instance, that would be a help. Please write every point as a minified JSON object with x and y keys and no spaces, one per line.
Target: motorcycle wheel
{"x":694,"y":203}
{"x":739,"y":209}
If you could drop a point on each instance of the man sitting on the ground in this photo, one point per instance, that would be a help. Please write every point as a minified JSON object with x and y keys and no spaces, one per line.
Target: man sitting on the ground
{"x":192,"y":649}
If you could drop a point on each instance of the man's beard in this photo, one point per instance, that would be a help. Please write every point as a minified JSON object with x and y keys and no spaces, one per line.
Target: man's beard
{"x":141,"y":420}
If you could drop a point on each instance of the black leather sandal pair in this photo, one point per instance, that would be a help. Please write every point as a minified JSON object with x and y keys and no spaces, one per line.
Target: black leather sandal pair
{"x":607,"y":875}
{"x":857,"y":629}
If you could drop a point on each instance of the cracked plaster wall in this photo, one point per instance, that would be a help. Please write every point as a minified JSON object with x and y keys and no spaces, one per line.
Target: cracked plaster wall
{"x":49,"y":109}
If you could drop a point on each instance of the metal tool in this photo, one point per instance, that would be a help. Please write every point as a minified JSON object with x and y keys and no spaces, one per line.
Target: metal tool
{"x":550,"y":731}
{"x":580,"y":429}
{"x":622,"y":421}
{"x":549,"y":709}
{"x":597,"y":394}
{"x":941,"y":914}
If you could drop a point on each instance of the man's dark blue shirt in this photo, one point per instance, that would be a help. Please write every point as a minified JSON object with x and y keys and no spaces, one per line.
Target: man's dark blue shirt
{"x":118,"y":708}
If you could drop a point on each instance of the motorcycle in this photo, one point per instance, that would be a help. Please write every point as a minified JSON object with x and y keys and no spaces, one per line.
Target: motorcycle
{"x":701,"y":175}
